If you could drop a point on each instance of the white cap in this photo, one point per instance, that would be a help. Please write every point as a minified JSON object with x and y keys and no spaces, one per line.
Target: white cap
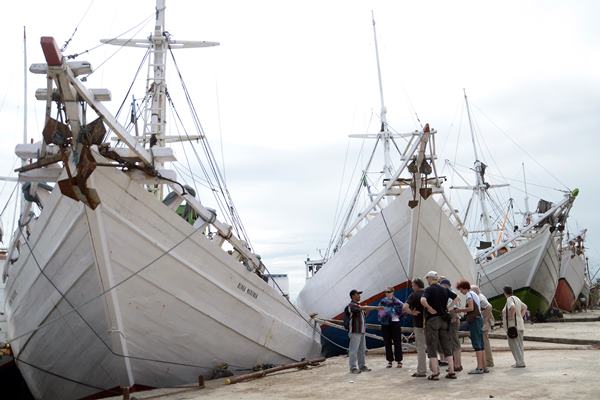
{"x":432,"y":274}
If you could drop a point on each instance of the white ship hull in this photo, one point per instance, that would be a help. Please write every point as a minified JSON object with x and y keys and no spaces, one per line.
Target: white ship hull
{"x":423,"y":240}
{"x":193,"y":308}
{"x":531,"y":269}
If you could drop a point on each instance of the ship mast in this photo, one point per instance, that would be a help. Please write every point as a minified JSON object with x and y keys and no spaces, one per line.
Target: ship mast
{"x":155,"y":109}
{"x":480,"y":186}
{"x":527,"y":212}
{"x":384,"y":132}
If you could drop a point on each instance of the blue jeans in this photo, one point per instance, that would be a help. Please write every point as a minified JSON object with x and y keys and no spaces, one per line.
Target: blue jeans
{"x":356,"y":350}
{"x":476,"y":333}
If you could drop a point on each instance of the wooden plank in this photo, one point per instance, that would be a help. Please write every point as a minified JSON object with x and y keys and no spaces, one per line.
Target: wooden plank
{"x":264,"y":372}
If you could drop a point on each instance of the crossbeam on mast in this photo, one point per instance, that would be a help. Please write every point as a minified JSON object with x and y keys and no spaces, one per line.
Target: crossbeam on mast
{"x":146,"y":43}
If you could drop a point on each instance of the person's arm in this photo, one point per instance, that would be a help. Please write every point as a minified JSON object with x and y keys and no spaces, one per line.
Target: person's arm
{"x":371,"y":308}
{"x":399,"y":307}
{"x":426,"y":305}
{"x":523,"y":309}
{"x":511,"y":311}
{"x":455,"y":302}
{"x":470,"y":307}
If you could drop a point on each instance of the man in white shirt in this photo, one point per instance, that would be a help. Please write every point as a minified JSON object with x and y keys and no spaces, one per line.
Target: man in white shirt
{"x":512,"y":315}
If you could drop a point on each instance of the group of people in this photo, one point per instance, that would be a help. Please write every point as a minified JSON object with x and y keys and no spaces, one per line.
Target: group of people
{"x":436,"y":312}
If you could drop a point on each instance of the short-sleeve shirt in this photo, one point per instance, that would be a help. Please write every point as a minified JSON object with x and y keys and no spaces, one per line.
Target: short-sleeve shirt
{"x":513,"y":301}
{"x":473,"y":296}
{"x":357,"y":318}
{"x":437,"y":296}
{"x":484,"y":301}
{"x":414,"y":302}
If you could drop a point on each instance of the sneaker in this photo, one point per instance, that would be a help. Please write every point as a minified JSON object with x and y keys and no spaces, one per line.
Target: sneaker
{"x":389,"y":365}
{"x":517,"y":366}
{"x":418,"y":375}
{"x":476,"y":371}
{"x":365,"y":369}
{"x":355,"y":371}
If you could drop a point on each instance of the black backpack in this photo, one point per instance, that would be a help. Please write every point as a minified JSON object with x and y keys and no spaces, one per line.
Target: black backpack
{"x":346,"y":318}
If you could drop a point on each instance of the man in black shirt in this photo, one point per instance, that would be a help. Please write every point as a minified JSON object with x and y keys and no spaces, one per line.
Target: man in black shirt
{"x":435,"y":302}
{"x":414,"y":307}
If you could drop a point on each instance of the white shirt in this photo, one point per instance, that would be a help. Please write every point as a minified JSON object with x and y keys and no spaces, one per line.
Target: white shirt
{"x":473,"y":296}
{"x":517,"y":304}
{"x":484,"y":301}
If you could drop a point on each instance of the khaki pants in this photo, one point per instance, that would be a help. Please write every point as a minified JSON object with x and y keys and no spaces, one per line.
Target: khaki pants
{"x":488,"y":317}
{"x":421,"y":346}
{"x":516,"y":347}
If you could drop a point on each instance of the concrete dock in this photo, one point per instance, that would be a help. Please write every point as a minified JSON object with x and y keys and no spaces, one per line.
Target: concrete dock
{"x":554,"y":371}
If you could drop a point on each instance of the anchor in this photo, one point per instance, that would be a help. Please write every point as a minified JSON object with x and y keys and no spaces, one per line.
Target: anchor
{"x":414,"y":202}
{"x":425,"y":191}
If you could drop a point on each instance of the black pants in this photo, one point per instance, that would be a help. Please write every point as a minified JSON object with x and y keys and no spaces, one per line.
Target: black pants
{"x":392,"y":334}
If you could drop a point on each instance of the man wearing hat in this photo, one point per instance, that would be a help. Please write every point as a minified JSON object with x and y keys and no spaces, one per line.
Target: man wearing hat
{"x":435,"y":302}
{"x":356,"y":332}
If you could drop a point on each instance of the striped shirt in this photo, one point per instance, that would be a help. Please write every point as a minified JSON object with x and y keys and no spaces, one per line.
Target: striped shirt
{"x":357,"y":318}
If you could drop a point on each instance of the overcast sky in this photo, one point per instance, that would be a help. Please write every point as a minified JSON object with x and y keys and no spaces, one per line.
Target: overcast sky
{"x":292,"y":79}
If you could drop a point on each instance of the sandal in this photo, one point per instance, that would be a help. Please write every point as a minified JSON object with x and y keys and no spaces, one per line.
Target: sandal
{"x":450,"y":375}
{"x":434,"y":377}
{"x":418,"y":375}
{"x":389,"y":365}
{"x":399,"y":364}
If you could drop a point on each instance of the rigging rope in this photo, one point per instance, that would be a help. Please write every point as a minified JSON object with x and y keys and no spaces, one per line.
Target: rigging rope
{"x":525,"y":151}
{"x":76,"y":27}
{"x":231,"y":209}
{"x":145,"y":20}
{"x":340,"y":206}
{"x":395,"y":248}
{"x":10,"y":197}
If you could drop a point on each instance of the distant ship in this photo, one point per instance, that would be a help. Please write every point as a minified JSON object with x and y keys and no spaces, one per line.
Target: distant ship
{"x":406,"y":229}
{"x":526,"y":258}
{"x":573,"y":276}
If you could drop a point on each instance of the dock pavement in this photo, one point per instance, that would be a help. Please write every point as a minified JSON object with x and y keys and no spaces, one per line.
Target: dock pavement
{"x":554,"y":371}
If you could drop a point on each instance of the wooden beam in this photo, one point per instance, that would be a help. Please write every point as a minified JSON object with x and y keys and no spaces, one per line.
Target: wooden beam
{"x":264,"y":372}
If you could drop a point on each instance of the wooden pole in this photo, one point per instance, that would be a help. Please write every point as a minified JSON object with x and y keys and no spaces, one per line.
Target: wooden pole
{"x":589,"y":342}
{"x":260,"y":374}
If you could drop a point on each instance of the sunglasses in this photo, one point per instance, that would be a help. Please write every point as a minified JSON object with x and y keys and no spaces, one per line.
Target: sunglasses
{"x":389,"y":291}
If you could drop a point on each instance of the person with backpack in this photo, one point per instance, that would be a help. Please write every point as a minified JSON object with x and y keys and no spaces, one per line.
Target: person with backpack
{"x":354,"y":321}
{"x":389,"y":318}
{"x":475,"y":321}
